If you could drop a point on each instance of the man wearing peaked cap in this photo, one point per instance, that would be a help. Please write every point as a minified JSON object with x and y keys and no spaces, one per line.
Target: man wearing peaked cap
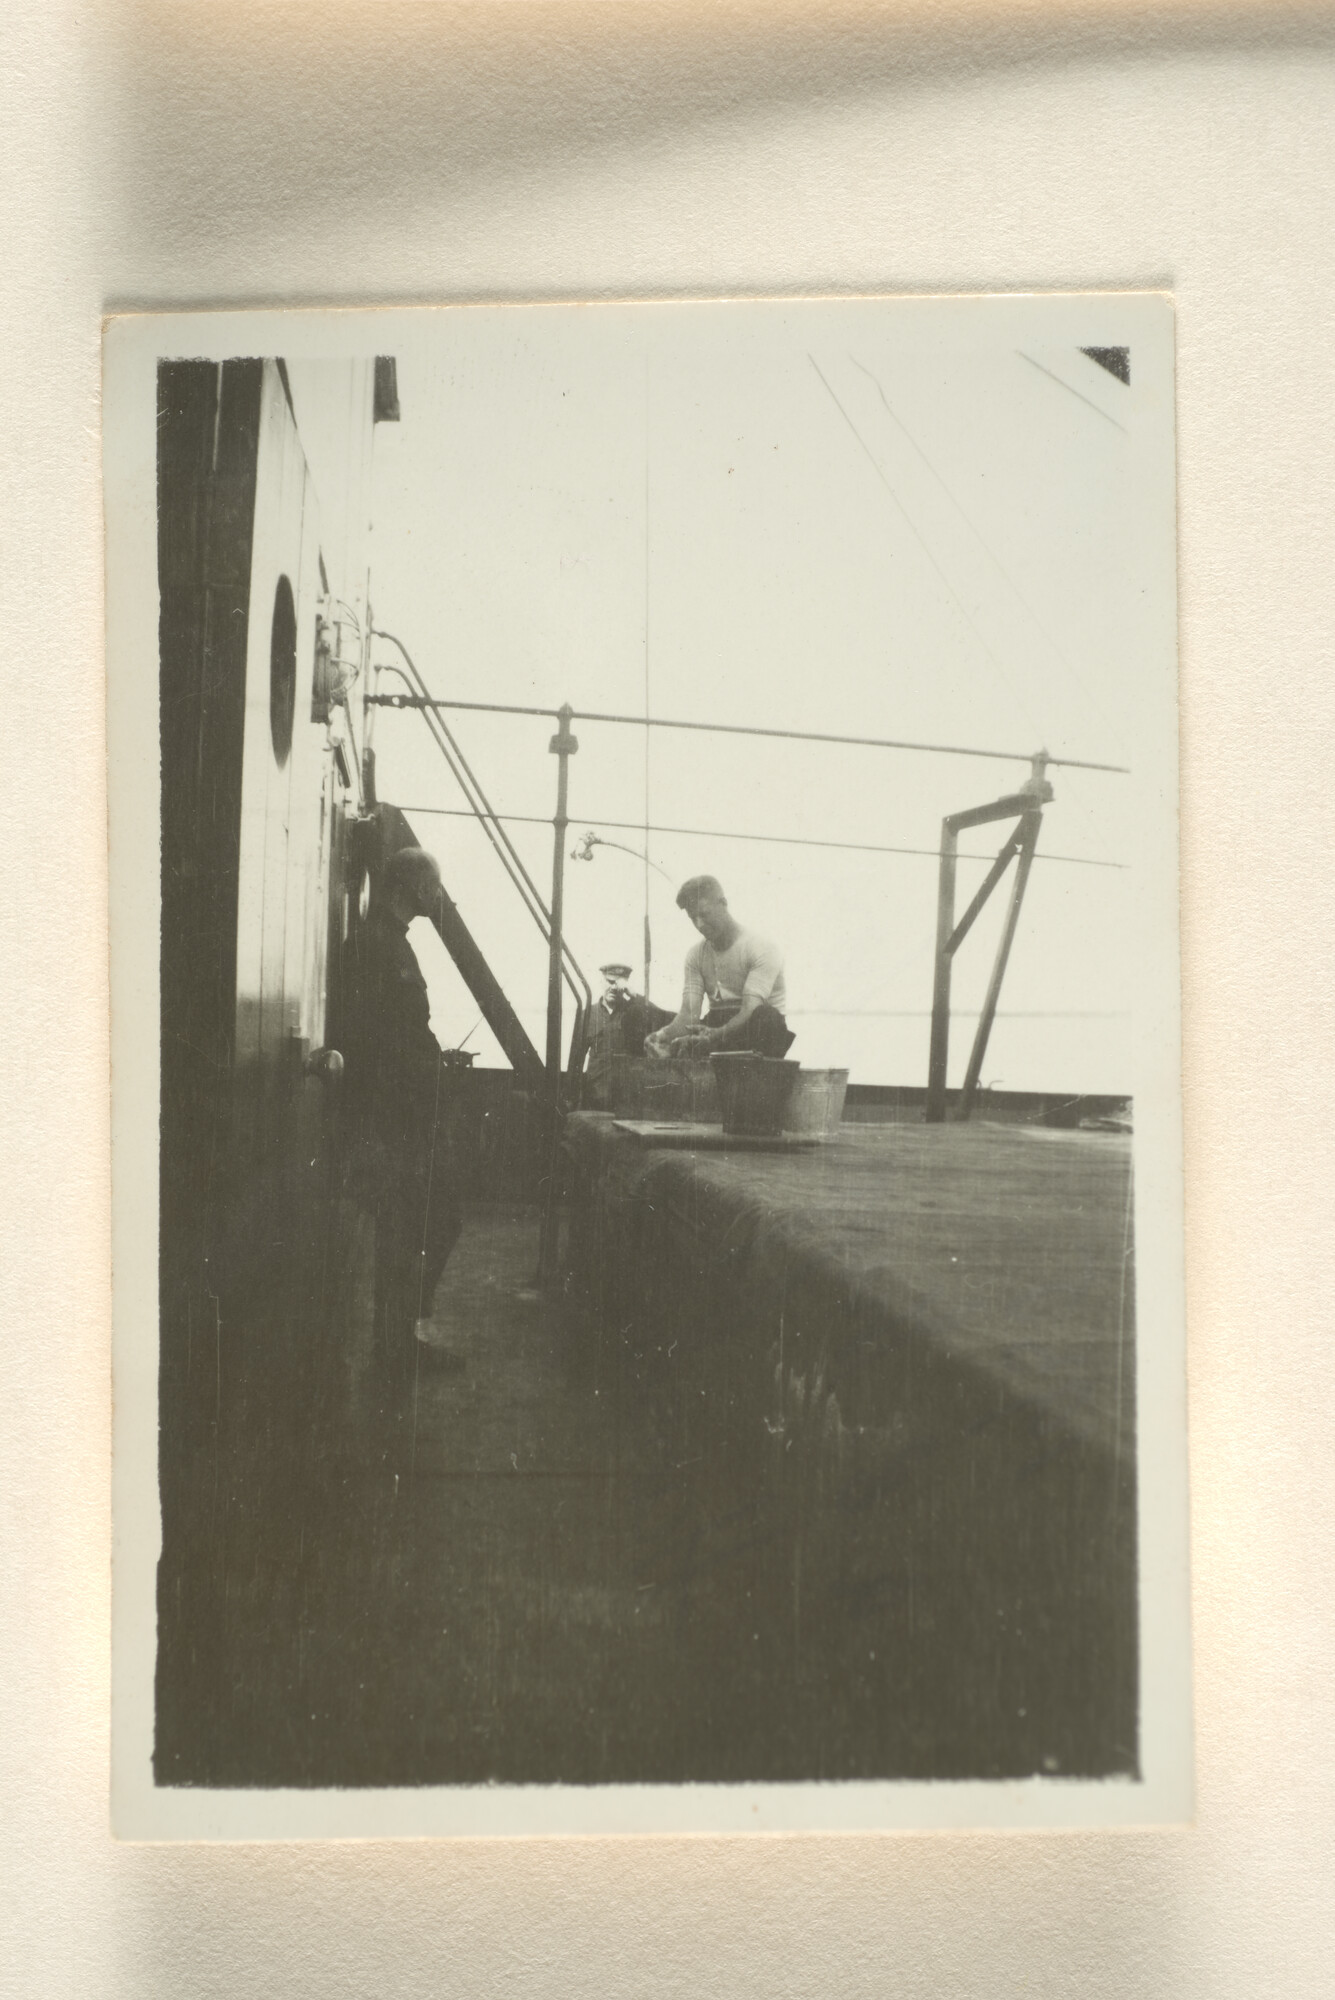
{"x":617,"y":1027}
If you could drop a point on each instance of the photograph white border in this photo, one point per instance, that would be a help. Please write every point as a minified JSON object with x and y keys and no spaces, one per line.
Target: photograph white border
{"x":142,"y":1810}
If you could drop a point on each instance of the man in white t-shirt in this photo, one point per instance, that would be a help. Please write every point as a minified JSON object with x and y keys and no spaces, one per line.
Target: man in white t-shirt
{"x":741,"y":974}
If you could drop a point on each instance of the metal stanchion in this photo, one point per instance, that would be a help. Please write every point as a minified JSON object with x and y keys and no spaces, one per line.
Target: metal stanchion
{"x":563,"y":747}
{"x":1027,"y":807}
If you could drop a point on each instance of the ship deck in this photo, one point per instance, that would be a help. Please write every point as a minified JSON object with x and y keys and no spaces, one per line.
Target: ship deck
{"x":813,"y":1466}
{"x":1003,"y":1250}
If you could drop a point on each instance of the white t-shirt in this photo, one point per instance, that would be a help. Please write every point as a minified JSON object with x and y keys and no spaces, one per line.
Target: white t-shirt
{"x":751,"y":964}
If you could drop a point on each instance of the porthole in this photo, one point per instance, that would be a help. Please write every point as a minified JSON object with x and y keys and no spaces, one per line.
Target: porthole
{"x":282,"y":670}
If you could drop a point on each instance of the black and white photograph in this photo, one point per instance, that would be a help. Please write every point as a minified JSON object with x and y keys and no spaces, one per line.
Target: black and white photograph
{"x":646,"y":1095}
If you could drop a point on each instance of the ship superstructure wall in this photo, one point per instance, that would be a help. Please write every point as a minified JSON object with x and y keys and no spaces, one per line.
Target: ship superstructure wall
{"x":258,"y":784}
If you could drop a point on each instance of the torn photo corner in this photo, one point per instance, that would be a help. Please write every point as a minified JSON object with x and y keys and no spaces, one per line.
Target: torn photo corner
{"x":646,"y":1103}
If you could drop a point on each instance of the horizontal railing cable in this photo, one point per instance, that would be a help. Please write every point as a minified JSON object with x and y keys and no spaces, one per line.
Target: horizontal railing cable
{"x":747,"y":729}
{"x":776,"y":839}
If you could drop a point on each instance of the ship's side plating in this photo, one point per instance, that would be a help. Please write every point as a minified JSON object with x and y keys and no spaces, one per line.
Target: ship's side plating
{"x":262,"y":612}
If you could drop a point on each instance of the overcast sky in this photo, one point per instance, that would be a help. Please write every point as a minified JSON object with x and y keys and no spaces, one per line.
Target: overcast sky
{"x":842,"y":517}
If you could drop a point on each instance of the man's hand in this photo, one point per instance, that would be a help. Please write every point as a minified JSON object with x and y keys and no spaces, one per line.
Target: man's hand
{"x":655,"y":1046}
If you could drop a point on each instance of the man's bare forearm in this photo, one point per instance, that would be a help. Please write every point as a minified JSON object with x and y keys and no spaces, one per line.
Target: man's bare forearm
{"x":678,"y":1029}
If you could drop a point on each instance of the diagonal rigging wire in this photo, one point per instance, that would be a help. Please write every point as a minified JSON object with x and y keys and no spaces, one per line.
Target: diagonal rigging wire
{"x":1081,"y":804}
{"x":1088,"y":401}
{"x":489,"y":821}
{"x":977,"y":533}
{"x":648,"y":733}
{"x":914,"y":530}
{"x":766,"y":839}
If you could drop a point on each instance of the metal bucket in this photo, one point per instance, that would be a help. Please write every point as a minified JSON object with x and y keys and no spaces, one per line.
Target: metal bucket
{"x":672,"y":1092}
{"x":817,"y":1102}
{"x":753,"y":1092}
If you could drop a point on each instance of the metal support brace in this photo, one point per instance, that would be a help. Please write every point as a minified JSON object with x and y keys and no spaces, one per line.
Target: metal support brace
{"x":1026,"y":806}
{"x":1028,"y":841}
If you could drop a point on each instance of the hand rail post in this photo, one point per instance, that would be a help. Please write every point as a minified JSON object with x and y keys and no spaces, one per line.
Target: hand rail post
{"x":563,"y":747}
{"x":1028,"y":842}
{"x":935,"y":1113}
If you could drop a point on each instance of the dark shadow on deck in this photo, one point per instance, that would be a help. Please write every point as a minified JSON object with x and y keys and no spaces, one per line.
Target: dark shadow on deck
{"x":592,"y":1560}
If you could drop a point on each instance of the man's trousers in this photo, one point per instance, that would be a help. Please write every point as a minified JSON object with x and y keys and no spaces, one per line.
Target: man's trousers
{"x":417,"y":1224}
{"x":764,"y":1032}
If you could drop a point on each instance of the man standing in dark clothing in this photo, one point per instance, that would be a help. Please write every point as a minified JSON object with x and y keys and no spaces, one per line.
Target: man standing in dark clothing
{"x":618,"y":1024}
{"x":400,"y":1169}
